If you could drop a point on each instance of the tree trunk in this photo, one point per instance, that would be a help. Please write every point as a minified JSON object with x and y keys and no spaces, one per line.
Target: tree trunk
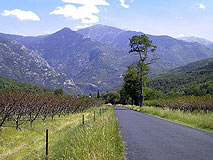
{"x":141,"y":88}
{"x":2,"y":121}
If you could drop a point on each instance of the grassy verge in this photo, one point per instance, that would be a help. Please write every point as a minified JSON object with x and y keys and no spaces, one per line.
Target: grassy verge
{"x":67,"y":138}
{"x":200,"y":120}
{"x":95,"y":141}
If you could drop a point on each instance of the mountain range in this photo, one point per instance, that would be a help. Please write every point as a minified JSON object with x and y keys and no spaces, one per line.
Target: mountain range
{"x":21,"y":64}
{"x":202,"y":41}
{"x":172,"y":52}
{"x":87,"y":60}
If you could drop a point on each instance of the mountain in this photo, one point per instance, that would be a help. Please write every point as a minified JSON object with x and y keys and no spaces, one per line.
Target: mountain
{"x":193,"y":79}
{"x":172,"y":52}
{"x":91,"y":64}
{"x":202,"y":41}
{"x":26,"y":40}
{"x":96,"y":57}
{"x":21,"y":64}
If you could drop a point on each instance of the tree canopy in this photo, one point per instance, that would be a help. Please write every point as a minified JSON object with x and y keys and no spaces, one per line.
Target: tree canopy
{"x":141,"y":45}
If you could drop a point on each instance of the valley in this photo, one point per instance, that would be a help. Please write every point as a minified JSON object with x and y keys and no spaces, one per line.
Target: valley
{"x":91,"y":59}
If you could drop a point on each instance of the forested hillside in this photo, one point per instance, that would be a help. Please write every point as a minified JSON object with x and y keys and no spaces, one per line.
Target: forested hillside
{"x":193,"y":79}
{"x":11,"y":85}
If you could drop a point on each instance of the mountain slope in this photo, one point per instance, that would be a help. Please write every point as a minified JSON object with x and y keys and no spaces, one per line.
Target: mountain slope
{"x":202,"y":41}
{"x":8,"y":85}
{"x":197,"y":77}
{"x":91,"y":64}
{"x":172,"y":52}
{"x":96,"y":57}
{"x":21,"y":64}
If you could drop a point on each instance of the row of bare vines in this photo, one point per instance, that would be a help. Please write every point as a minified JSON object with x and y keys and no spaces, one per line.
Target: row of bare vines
{"x":189,"y":103}
{"x":27,"y":107}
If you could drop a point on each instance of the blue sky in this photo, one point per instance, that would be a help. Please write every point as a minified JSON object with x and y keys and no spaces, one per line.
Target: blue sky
{"x":157,"y":17}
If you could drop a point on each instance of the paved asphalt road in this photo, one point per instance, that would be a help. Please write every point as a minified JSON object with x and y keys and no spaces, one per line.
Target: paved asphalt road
{"x":150,"y":138}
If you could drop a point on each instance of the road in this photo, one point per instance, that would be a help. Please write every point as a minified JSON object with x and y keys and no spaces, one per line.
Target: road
{"x":150,"y":138}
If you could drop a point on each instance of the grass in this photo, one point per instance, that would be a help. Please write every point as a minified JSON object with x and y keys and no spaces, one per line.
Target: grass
{"x":67,"y":138}
{"x":95,"y":141}
{"x":200,"y":120}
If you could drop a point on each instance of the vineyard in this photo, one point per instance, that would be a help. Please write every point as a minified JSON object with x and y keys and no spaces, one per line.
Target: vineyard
{"x":190,"y":103}
{"x":19,"y":108}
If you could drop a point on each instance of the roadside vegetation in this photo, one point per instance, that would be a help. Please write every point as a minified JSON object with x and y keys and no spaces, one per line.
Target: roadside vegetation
{"x":68,"y":139}
{"x":191,"y":111}
{"x":97,"y":140}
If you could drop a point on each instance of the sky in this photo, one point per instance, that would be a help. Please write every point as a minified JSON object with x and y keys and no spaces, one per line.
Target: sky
{"x":177,"y":18}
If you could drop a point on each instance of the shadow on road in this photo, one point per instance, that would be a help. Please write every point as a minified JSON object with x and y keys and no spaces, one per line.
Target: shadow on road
{"x":121,"y":108}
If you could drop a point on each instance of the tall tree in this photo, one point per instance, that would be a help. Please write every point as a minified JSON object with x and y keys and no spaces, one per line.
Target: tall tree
{"x":141,"y":45}
{"x":98,"y":94}
{"x":131,"y":85}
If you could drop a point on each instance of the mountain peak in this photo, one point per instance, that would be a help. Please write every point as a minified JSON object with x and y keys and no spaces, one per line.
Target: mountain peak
{"x":66,"y":33}
{"x":105,"y":27}
{"x":65,"y":29}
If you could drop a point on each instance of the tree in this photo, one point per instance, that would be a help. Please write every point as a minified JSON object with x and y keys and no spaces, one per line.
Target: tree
{"x":142,"y":46}
{"x":98,"y":94}
{"x":59,"y":91}
{"x":111,"y":97}
{"x":130,"y":92}
{"x":131,"y":85}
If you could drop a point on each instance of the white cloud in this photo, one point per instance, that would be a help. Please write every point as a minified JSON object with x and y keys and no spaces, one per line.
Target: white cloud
{"x":86,"y":12}
{"x":131,"y":1}
{"x":202,"y":6}
{"x":22,"y":15}
{"x":179,"y":18}
{"x":123,"y":4}
{"x":88,"y":2}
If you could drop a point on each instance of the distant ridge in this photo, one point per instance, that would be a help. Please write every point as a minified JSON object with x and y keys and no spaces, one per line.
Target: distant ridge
{"x":202,"y":41}
{"x":96,"y":57}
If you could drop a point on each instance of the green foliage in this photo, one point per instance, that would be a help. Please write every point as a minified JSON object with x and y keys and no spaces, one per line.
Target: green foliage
{"x":7,"y":85}
{"x":150,"y":94}
{"x":131,"y":85}
{"x":141,"y":45}
{"x":59,"y":91}
{"x":111,"y":97}
{"x":98,"y":94}
{"x":187,"y":80}
{"x":130,"y":92}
